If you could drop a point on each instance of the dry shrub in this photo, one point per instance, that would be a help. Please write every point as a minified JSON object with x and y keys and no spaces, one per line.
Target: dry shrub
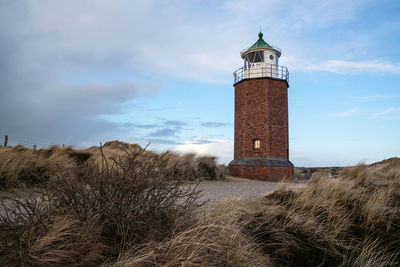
{"x":91,"y":213}
{"x":325,"y":223}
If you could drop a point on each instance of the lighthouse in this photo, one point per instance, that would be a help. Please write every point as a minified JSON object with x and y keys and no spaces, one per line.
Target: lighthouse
{"x":261,"y":145}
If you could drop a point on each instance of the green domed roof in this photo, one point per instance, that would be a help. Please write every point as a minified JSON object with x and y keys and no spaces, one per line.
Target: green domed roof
{"x":260,"y":43}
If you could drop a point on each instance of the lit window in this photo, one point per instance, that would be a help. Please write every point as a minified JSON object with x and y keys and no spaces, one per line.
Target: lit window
{"x":256,"y":144}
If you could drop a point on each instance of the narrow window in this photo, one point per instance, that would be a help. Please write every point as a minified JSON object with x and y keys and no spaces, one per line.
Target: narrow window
{"x":256,"y":144}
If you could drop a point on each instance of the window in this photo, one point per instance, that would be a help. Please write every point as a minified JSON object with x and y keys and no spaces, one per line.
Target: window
{"x":271,"y":57}
{"x":256,"y":144}
{"x":254,"y":57}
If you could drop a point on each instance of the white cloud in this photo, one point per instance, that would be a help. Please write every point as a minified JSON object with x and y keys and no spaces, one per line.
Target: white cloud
{"x":351,"y":67}
{"x":344,"y":66}
{"x":220,"y":148}
{"x":95,"y":44}
{"x":347,"y":113}
{"x":180,"y":39}
{"x":383,"y":113}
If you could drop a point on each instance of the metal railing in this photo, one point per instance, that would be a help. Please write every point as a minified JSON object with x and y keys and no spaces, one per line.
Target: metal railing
{"x":266,"y":70}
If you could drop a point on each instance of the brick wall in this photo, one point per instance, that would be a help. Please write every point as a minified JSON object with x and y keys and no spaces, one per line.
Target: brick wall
{"x":267,"y":173}
{"x":261,"y":112}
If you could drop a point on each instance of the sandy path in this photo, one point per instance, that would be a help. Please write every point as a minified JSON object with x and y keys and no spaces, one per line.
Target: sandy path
{"x":237,"y":188}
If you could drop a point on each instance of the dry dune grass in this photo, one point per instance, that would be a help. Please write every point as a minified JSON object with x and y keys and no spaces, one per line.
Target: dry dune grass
{"x":378,"y":168}
{"x":23,"y":166}
{"x":207,"y":243}
{"x":20,"y":166}
{"x":346,"y":221}
{"x":131,"y":211}
{"x":192,"y":167}
{"x":66,"y":240}
{"x":350,"y":220}
{"x":114,"y":150}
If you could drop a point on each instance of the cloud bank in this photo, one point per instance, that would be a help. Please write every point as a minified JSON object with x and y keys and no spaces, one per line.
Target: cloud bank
{"x":67,"y":65}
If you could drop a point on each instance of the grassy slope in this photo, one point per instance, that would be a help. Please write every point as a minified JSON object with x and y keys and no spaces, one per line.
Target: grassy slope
{"x":352,"y":219}
{"x":24,"y":167}
{"x":307,"y":172}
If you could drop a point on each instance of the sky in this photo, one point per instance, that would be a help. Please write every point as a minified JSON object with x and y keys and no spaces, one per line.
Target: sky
{"x":81,"y":72}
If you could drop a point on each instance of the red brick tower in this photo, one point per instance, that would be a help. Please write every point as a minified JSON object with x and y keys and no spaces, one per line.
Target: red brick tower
{"x":261,"y":115}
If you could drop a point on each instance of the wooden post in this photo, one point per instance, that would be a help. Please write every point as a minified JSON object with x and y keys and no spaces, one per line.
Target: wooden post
{"x":5,"y":140}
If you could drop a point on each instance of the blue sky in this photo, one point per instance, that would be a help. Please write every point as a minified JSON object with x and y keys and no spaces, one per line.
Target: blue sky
{"x":84,"y":72}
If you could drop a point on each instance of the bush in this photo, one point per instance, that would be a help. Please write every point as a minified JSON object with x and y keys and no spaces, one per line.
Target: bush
{"x":93,"y":213}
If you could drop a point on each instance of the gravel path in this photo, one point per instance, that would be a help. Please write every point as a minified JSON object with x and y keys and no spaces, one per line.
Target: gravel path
{"x":236,"y":188}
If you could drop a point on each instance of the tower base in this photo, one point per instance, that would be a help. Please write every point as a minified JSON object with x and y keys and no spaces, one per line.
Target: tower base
{"x":268,"y":169}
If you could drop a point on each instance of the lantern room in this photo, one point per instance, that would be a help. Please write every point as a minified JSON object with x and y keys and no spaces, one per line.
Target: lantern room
{"x":260,"y":53}
{"x":261,"y":60}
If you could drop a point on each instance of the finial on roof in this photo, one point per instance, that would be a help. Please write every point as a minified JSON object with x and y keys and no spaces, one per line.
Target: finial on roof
{"x":260,"y":35}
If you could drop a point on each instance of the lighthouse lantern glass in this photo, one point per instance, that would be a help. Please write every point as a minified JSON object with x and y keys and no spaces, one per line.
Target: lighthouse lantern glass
{"x":254,"y":57}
